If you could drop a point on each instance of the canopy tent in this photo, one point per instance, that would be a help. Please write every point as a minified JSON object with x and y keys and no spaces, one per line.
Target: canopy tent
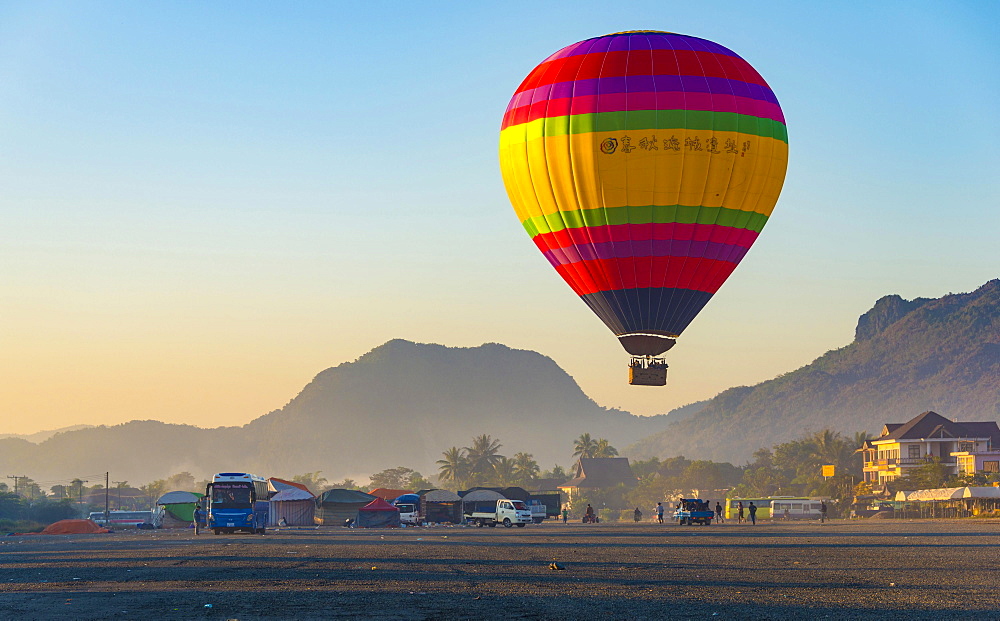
{"x":515,"y":493}
{"x":178,"y":509}
{"x":336,"y":506}
{"x":981,"y":492}
{"x":178,"y":498}
{"x":276,"y":485}
{"x":441,"y":505}
{"x":942,"y":493}
{"x":297,"y":507}
{"x":948,"y":493}
{"x":73,"y":527}
{"x":949,"y":502}
{"x":480,"y":498}
{"x":378,"y":514}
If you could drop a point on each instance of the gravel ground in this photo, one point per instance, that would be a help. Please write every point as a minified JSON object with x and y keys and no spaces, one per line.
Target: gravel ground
{"x":840,"y":570}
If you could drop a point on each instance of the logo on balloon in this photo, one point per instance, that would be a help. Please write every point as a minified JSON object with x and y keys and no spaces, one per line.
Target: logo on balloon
{"x":608,"y":146}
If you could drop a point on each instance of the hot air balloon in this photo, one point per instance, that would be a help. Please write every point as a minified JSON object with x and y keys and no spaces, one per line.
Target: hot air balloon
{"x":644,"y":165}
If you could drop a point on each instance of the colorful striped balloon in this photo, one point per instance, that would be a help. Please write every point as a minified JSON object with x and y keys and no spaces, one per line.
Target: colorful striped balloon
{"x":644,"y":164}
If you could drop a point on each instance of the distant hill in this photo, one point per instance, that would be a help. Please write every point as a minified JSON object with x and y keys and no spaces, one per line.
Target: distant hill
{"x":41,"y":436}
{"x":400,"y":404}
{"x":404,"y":403}
{"x":908,"y":356}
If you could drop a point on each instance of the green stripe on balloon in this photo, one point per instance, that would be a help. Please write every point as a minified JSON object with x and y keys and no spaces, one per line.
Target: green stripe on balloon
{"x":648,"y":214}
{"x":641,"y":120}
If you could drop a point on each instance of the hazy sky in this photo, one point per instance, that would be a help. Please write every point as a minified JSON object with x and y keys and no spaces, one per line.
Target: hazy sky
{"x":202,"y":205}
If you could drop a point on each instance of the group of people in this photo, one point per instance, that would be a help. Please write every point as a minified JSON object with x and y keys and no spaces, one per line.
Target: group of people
{"x":751,"y":510}
{"x":743,"y":514}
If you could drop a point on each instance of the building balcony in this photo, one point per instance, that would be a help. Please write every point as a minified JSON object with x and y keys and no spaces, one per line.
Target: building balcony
{"x":882,"y":464}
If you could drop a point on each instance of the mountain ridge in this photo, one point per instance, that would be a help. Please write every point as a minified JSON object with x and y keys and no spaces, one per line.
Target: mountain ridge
{"x":907,"y":357}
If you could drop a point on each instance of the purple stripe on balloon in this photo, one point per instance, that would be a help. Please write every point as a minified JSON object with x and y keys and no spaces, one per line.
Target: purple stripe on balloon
{"x":646,"y":83}
{"x":654,"y":41}
{"x":654,"y":248}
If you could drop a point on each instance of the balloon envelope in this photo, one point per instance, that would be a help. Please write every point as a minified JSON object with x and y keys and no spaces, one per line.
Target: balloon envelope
{"x":644,"y":165}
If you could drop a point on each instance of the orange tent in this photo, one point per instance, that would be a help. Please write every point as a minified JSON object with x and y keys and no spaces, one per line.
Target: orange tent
{"x":73,"y":527}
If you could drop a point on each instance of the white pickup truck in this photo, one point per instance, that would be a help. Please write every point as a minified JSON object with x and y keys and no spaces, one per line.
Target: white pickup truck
{"x":507,"y":512}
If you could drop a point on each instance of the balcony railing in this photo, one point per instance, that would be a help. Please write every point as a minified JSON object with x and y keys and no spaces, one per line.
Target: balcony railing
{"x":897,"y":461}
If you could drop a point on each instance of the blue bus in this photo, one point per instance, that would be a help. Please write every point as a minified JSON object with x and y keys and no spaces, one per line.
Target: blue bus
{"x":237,"y":501}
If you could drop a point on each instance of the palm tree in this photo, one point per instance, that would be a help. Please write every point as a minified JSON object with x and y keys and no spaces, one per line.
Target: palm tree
{"x":525,"y":467}
{"x":505,"y":472}
{"x":603,"y":448}
{"x":483,"y":454}
{"x":584,"y":446}
{"x":860,"y":437}
{"x":454,"y":467}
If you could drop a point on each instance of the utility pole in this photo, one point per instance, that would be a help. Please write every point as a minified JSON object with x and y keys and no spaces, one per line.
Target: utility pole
{"x":16,"y":479}
{"x":107,"y":513}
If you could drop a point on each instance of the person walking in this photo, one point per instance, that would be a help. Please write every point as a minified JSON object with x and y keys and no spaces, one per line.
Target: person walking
{"x":739,"y":512}
{"x":822,"y":511}
{"x":589,"y":515}
{"x":565,"y":516}
{"x":659,"y":512}
{"x":718,"y":513}
{"x":753,"y":513}
{"x":638,"y":515}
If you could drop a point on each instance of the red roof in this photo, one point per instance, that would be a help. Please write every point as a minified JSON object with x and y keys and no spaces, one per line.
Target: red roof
{"x":389,"y":494}
{"x":378,"y":505}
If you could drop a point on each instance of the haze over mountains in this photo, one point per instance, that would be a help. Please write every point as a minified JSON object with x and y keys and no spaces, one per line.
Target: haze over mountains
{"x":404,"y":403}
{"x":908,"y":356}
{"x":401,"y":404}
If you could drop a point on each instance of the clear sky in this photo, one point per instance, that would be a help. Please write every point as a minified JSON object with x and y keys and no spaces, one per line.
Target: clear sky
{"x":202,"y":205}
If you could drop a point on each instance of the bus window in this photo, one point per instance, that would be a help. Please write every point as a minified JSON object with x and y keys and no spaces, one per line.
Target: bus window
{"x":231,"y":497}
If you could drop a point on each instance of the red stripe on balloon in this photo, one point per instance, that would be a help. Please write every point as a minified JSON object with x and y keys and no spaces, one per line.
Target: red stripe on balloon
{"x":644,"y":273}
{"x":645,"y":232}
{"x":630,"y":102}
{"x":641,"y":62}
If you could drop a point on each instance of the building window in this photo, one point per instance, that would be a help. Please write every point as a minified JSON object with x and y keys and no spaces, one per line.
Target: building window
{"x":914,"y":451}
{"x":966,"y":447}
{"x":991,"y":466}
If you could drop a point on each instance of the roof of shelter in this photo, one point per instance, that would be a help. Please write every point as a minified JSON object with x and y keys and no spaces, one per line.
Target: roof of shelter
{"x":281,"y":484}
{"x":440,"y":495}
{"x":287,"y":495}
{"x":379,"y":505}
{"x":389,"y":494}
{"x":602,"y":472}
{"x":178,"y":498}
{"x":347,"y":496}
{"x":482,"y":495}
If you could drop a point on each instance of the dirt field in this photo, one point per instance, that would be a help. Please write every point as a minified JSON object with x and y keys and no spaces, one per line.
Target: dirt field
{"x":840,"y":570}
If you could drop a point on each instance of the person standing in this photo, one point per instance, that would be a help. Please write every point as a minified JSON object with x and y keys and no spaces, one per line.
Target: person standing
{"x":659,"y":512}
{"x":565,"y":516}
{"x":589,"y":515}
{"x":753,"y":513}
{"x":198,"y":516}
{"x":739,"y":512}
{"x":638,"y":515}
{"x":822,"y":511}
{"x":718,"y":513}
